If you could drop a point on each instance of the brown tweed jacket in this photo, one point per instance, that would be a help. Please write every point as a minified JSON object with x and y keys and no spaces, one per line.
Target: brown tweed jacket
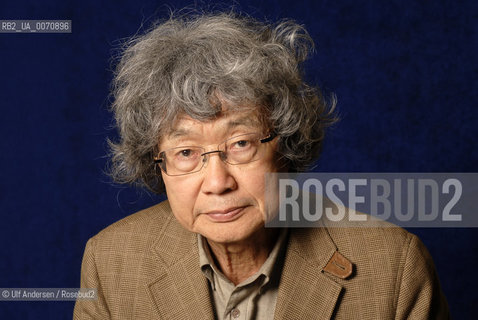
{"x":146,"y":266}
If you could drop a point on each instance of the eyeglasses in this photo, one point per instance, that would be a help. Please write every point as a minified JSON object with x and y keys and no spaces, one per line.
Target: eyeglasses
{"x":241,"y":149}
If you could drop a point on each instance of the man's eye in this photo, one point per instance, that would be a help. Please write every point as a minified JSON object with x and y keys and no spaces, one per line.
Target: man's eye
{"x":185,"y":153}
{"x":241,"y":144}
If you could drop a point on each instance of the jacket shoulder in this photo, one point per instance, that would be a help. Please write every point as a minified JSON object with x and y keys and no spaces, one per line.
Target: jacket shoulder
{"x":396,"y":267}
{"x":132,"y":236}
{"x":155,"y":217}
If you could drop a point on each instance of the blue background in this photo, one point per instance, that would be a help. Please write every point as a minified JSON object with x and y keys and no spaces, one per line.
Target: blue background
{"x":405,"y":73}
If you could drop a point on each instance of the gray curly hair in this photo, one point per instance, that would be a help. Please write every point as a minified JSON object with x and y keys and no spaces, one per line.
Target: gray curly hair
{"x":193,"y":64}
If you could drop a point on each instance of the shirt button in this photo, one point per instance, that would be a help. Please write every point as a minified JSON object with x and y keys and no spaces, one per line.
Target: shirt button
{"x":235,"y":313}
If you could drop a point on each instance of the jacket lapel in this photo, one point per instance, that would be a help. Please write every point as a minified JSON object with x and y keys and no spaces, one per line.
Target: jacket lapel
{"x":180,"y":291}
{"x":305,"y":292}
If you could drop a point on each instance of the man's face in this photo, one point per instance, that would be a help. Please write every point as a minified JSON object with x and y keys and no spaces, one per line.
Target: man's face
{"x":224,"y":203}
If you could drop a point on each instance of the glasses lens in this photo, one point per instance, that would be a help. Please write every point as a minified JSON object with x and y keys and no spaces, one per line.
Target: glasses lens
{"x":243,"y":149}
{"x":182,"y":160}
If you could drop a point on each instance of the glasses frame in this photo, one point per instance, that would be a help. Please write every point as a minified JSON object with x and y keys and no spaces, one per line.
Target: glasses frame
{"x":160,"y":159}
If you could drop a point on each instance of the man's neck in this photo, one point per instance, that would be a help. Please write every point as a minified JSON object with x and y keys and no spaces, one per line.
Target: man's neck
{"x":238,"y":261}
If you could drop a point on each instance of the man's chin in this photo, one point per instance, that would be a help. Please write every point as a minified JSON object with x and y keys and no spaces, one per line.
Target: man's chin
{"x":225,"y":239}
{"x":230,"y":233}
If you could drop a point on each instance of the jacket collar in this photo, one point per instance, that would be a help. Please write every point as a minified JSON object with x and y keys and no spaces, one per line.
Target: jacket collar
{"x":180,"y":290}
{"x":305,"y":291}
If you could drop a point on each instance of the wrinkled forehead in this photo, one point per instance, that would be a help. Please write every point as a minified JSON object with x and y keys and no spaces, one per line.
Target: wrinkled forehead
{"x":224,"y":121}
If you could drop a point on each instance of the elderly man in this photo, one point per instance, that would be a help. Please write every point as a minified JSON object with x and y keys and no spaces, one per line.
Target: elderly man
{"x":206,"y":105}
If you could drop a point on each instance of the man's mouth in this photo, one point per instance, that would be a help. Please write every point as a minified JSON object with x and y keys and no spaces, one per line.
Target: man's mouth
{"x":225,"y":215}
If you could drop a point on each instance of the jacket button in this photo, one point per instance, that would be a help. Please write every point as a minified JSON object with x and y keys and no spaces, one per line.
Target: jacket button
{"x":235,"y":313}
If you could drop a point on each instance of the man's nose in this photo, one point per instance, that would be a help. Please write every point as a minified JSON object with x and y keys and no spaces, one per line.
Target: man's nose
{"x":217,"y":178}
